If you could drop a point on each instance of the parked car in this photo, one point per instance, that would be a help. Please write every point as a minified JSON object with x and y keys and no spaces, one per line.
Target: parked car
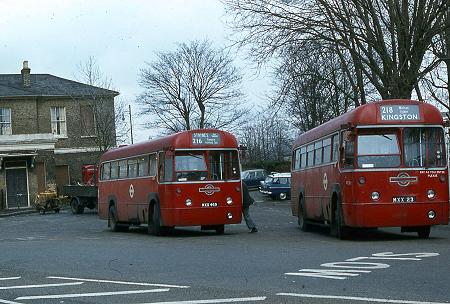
{"x":252,"y":178}
{"x":277,"y":186}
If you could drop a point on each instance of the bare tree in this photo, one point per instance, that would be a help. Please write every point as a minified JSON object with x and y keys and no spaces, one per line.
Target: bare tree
{"x":437,"y":82}
{"x":109,"y":127}
{"x":196,"y":86}
{"x":266,"y":137}
{"x":312,"y":87}
{"x":386,"y":40}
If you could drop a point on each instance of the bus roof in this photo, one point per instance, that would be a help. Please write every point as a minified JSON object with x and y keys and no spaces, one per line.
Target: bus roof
{"x":370,"y":114}
{"x":204,"y":139}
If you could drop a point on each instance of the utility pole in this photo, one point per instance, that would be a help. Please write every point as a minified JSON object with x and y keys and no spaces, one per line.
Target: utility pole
{"x":131,"y":124}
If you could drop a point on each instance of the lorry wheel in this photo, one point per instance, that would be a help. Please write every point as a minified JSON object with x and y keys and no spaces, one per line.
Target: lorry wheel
{"x":74,"y":205}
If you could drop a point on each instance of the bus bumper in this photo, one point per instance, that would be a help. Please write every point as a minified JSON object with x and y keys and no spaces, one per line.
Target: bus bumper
{"x":201,"y":216}
{"x":371,"y":215}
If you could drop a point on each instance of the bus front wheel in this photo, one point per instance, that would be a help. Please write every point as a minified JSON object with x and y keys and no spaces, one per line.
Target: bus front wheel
{"x":113,"y":224}
{"x":424,"y":232}
{"x":337,"y":227}
{"x":112,"y":219}
{"x":302,"y":223}
{"x":220,"y":229}
{"x":154,"y":222}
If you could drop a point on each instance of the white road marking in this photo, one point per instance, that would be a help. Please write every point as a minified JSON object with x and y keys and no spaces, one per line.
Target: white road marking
{"x":8,"y":302}
{"x":93,"y":294}
{"x":303,"y":295}
{"x":119,"y":282}
{"x":10,"y":278}
{"x":231,"y":300}
{"x":39,"y":286}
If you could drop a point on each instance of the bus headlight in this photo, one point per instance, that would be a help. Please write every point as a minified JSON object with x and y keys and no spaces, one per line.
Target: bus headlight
{"x":431,"y":214}
{"x":229,"y":201}
{"x":229,"y":215}
{"x":375,"y":196}
{"x":431,"y":194}
{"x":188,"y":202}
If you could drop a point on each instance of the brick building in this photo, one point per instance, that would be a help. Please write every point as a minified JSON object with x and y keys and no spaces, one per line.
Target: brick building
{"x":49,"y":129}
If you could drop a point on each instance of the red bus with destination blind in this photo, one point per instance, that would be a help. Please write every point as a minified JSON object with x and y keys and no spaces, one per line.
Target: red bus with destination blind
{"x":190,"y":178}
{"x":383,"y":164}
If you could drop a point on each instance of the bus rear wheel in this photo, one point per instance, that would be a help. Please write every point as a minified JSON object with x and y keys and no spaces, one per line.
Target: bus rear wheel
{"x":424,"y":232}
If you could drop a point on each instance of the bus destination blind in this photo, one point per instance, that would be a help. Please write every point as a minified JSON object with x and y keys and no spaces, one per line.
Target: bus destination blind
{"x":206,"y":139}
{"x":399,"y":113}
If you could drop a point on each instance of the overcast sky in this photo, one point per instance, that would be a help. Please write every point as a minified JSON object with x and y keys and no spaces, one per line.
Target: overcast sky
{"x":55,"y":36}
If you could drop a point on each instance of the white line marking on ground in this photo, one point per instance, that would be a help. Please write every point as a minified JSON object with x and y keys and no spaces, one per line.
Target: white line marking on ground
{"x":93,"y":294}
{"x":302,"y":295}
{"x":119,"y":282}
{"x":8,"y":302}
{"x":39,"y":286}
{"x":10,"y":278}
{"x":231,"y":300}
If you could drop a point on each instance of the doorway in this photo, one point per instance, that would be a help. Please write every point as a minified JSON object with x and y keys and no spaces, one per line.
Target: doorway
{"x":16,"y":188}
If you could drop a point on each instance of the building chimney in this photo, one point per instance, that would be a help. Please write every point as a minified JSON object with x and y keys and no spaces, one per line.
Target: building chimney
{"x":26,"y":75}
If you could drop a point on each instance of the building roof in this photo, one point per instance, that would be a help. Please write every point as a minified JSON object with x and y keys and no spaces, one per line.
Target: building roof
{"x":11,"y":85}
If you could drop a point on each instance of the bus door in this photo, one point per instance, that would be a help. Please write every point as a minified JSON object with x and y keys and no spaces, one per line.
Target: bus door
{"x":347,"y":165}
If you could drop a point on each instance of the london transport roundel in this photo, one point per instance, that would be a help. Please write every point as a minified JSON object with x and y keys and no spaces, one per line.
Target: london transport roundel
{"x":325,"y":181}
{"x":131,"y":190}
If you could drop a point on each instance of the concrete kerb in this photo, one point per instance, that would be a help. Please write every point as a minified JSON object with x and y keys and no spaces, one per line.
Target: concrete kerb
{"x":5,"y":213}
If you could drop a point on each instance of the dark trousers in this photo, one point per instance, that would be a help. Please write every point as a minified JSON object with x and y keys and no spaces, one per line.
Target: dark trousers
{"x":247,"y":218}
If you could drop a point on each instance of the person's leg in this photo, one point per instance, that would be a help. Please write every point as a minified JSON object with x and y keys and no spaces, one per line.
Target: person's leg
{"x":248,"y":220}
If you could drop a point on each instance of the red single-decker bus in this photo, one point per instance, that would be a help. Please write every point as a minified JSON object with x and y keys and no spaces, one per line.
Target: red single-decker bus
{"x":383,"y":164}
{"x":191,"y":178}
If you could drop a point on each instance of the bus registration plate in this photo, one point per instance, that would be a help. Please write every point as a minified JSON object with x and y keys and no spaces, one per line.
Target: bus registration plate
{"x":210,"y":204}
{"x":403,"y":199}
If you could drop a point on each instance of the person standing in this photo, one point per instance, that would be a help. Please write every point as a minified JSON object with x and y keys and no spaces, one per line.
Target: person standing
{"x":247,"y":200}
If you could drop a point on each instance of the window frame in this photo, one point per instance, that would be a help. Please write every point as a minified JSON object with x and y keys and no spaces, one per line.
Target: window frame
{"x":4,"y":122}
{"x":61,"y":123}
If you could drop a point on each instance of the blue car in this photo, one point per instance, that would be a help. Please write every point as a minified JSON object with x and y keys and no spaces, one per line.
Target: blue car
{"x":252,"y":178}
{"x":277,"y":186}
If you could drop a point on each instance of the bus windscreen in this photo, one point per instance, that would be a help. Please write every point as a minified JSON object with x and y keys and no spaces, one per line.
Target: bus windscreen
{"x":192,"y":166}
{"x":424,"y":147}
{"x":379,"y":150}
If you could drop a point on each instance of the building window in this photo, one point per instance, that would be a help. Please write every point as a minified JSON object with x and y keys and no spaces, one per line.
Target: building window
{"x":87,"y":121}
{"x":58,"y":117}
{"x":5,"y":121}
